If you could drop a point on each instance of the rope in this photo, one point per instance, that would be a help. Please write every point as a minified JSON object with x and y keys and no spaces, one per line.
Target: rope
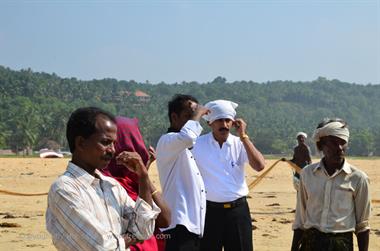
{"x":21,"y":194}
{"x":258,"y":179}
{"x":292,"y":165}
{"x":250,"y":186}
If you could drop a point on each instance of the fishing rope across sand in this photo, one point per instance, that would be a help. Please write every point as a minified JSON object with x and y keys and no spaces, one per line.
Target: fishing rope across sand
{"x":21,"y":194}
{"x":296,"y":168}
{"x":251,"y":185}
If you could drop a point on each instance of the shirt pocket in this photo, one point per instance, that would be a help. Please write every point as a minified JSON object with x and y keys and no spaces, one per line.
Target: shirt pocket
{"x":343,"y":199}
{"x":236,"y":172}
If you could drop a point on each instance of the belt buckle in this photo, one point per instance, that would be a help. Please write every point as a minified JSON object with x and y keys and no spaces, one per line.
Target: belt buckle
{"x":227,"y":205}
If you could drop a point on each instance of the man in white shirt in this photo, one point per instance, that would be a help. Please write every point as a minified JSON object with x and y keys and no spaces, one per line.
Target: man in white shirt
{"x":89,"y":211}
{"x":181,"y":182}
{"x":333,"y":198}
{"x":221,"y":158}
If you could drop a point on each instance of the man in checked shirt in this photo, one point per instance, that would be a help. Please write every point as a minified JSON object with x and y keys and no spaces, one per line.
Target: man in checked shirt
{"x":87,"y":210}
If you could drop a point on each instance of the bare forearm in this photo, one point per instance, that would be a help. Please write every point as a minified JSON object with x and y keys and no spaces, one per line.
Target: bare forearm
{"x":363,"y":240}
{"x":256,"y":159}
{"x":164,"y":218}
{"x":145,"y":192}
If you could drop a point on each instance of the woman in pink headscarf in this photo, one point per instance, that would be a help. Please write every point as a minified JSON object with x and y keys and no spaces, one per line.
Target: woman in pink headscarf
{"x":129,"y":139}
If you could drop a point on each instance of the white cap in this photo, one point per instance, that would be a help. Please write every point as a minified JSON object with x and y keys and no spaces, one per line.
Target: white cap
{"x":220,"y":109}
{"x":301,"y":134}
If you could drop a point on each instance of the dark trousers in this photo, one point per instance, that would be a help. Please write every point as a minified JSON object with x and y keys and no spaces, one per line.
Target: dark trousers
{"x":314,"y":240}
{"x":228,"y":225}
{"x":180,"y":239}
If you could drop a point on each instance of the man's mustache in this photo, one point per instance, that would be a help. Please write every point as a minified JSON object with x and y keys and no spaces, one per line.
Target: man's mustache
{"x":107,"y":156}
{"x":224,"y":129}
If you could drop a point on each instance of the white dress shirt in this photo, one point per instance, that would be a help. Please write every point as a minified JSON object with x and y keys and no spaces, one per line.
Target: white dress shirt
{"x":222,"y":169}
{"x":333,"y":204}
{"x":88,"y":213}
{"x":181,"y":182}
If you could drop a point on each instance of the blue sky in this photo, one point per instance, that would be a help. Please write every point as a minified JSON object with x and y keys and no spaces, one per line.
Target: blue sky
{"x":175,"y":41}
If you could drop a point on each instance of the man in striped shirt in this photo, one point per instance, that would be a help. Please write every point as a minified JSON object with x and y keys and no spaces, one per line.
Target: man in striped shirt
{"x":89,"y":211}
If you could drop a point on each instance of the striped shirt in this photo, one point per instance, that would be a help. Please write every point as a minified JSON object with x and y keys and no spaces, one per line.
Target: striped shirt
{"x":89,"y":213}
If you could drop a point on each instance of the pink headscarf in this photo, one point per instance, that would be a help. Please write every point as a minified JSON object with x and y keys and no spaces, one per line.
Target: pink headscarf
{"x":129,"y":139}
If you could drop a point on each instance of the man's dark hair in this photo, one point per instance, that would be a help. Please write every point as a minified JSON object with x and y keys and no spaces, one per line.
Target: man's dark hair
{"x":82,"y":123}
{"x":177,"y":104}
{"x":326,"y":121}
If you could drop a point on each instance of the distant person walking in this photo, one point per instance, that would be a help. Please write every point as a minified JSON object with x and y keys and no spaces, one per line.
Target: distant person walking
{"x":333,"y":198}
{"x":221,"y":158}
{"x":301,"y":156}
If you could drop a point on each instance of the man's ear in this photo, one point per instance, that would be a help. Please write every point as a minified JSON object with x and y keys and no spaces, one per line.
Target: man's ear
{"x":319,"y":145}
{"x":174,"y":117}
{"x":80,"y":143}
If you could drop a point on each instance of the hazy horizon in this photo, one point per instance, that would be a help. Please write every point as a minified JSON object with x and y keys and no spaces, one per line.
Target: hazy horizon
{"x":176,"y":41}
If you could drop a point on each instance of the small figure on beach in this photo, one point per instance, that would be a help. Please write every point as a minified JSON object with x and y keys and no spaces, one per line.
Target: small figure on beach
{"x":301,"y":156}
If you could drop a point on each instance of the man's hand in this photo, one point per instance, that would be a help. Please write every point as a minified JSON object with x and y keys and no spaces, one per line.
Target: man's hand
{"x":130,"y":240}
{"x":152,"y":156}
{"x":133,"y":162}
{"x":198,"y":111}
{"x":240,"y":126}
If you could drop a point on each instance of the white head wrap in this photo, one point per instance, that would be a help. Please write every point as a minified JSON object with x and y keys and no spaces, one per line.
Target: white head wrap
{"x":220,"y":109}
{"x":336,"y":129}
{"x":301,"y":134}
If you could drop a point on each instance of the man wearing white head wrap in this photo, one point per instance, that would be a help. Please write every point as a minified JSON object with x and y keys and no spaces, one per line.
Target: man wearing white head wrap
{"x":221,"y":157}
{"x":301,"y":156}
{"x":337,"y":129}
{"x":333,"y":198}
{"x":221,"y":109}
{"x":301,"y":134}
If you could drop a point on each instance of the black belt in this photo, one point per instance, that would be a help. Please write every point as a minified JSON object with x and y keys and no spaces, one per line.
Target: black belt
{"x":230,"y":204}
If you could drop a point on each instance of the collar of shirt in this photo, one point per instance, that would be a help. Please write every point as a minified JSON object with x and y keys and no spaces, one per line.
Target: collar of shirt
{"x":84,"y":177}
{"x":346,"y":168}
{"x":171,"y":129}
{"x":212,"y":140}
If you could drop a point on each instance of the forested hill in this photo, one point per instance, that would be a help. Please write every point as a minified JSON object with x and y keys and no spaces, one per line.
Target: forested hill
{"x":34,"y":107}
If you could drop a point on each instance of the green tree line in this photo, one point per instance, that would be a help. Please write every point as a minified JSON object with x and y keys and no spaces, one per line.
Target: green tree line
{"x":34,"y":108}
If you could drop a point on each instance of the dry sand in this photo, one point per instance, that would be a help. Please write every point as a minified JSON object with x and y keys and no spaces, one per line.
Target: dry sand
{"x":272,"y":203}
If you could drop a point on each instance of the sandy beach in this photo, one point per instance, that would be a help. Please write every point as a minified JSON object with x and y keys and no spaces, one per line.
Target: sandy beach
{"x":272,"y":203}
